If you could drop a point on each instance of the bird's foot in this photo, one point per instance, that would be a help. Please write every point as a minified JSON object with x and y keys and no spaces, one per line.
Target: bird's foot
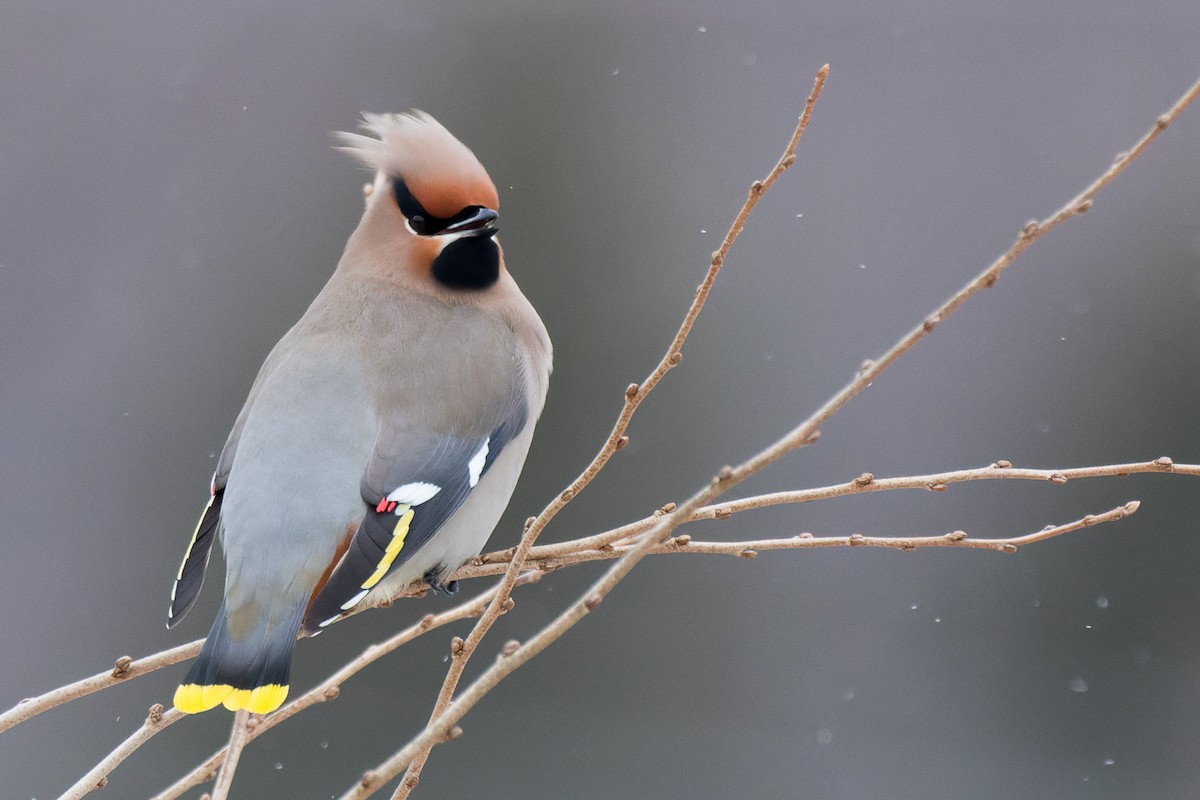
{"x":433,"y":578}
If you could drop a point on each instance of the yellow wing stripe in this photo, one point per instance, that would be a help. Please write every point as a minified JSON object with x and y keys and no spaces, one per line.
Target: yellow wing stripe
{"x":393,"y":549}
{"x":192,"y":698}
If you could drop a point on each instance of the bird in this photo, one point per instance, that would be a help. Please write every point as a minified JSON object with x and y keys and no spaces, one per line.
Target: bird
{"x":384,"y":434}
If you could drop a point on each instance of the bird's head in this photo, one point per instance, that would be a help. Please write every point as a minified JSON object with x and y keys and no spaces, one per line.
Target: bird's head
{"x":432,"y":203}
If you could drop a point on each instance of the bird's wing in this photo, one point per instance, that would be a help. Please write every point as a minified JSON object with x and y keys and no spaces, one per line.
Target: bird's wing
{"x":190,"y":576}
{"x":414,"y":482}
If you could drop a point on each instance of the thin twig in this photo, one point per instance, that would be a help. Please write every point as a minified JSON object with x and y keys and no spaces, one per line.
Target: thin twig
{"x":804,"y":541}
{"x":512,"y":658}
{"x":941,"y":481}
{"x":237,"y":743}
{"x":97,"y":777}
{"x":569,"y":552}
{"x":635,"y":394}
{"x":124,"y":669}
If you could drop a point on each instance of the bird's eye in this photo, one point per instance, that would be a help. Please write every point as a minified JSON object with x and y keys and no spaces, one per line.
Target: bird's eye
{"x":409,"y":207}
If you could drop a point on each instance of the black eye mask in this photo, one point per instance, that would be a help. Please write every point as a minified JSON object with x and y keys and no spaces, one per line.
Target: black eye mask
{"x":472,"y":220}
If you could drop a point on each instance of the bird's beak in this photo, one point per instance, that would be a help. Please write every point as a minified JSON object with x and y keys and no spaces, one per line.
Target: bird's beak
{"x":481,"y":223}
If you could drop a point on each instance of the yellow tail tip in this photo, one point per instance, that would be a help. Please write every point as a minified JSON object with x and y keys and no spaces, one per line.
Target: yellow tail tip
{"x":192,"y":698}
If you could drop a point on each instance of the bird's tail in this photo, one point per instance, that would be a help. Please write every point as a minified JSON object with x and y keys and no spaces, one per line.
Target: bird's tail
{"x":249,"y":672}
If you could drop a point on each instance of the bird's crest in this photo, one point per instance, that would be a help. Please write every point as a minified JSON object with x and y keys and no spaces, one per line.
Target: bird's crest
{"x":441,"y":171}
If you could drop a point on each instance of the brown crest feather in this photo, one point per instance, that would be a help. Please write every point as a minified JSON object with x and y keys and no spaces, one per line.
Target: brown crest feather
{"x":440,"y":171}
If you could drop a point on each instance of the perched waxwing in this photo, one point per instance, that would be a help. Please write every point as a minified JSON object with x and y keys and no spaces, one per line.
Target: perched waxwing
{"x":383,"y":436}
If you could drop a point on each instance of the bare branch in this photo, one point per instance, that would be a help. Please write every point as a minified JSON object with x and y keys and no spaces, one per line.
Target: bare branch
{"x":804,"y":541}
{"x":590,"y":548}
{"x":124,"y":668}
{"x":237,"y":742}
{"x":940,"y":482}
{"x":97,"y":777}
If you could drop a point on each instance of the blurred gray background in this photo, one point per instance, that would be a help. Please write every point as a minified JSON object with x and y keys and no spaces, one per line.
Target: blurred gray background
{"x":171,"y":204}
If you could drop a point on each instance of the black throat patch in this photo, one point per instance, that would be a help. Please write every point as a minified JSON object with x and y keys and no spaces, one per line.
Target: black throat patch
{"x":472,"y":262}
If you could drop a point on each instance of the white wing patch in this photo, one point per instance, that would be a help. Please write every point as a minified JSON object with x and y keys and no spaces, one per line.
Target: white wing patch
{"x":413,"y":494}
{"x":353,"y":601}
{"x":475,"y":466}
